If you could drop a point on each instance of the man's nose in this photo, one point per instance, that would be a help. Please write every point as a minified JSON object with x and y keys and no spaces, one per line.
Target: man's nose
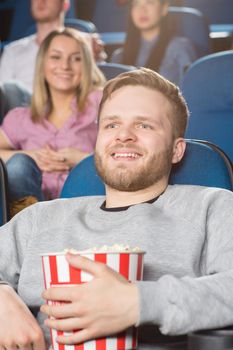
{"x":126,"y":134}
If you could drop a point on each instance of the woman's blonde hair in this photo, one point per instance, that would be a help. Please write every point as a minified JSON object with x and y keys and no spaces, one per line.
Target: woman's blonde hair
{"x":91,"y":78}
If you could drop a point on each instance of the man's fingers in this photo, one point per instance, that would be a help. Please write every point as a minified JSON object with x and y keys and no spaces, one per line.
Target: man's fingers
{"x":65,"y":325}
{"x":96,"y":269}
{"x":64,"y":310}
{"x":60,"y":294}
{"x":75,"y":338}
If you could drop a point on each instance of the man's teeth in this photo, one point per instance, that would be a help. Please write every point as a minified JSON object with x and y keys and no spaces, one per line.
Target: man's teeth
{"x":126,"y":155}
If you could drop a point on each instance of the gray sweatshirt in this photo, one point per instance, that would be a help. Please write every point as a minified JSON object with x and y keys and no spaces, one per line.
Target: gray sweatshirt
{"x":187,"y":235}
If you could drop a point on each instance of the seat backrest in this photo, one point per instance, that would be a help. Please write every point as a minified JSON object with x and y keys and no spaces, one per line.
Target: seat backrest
{"x":83,"y":180}
{"x":80,"y":24}
{"x":208,"y":90}
{"x":218,"y":11}
{"x":4,"y":204}
{"x":203,"y":164}
{"x":192,"y":24}
{"x":111,"y":70}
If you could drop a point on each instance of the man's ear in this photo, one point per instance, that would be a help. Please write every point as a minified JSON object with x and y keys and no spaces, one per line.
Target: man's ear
{"x":178,"y":150}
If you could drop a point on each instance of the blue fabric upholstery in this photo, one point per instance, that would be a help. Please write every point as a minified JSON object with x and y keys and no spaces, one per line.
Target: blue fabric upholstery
{"x":111,"y":70}
{"x":208,"y":90}
{"x":192,"y":24}
{"x":203,"y":164}
{"x":80,"y":24}
{"x":83,"y":181}
{"x":218,"y":11}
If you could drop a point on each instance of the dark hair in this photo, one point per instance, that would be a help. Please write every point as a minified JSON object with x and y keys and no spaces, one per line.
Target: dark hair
{"x":178,"y":114}
{"x":133,"y":38}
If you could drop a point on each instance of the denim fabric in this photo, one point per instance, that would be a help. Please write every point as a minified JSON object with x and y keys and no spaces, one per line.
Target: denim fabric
{"x":13,"y":94}
{"x":24,"y":177}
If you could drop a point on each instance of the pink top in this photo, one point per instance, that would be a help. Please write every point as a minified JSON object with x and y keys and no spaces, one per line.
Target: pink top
{"x":79,"y":131}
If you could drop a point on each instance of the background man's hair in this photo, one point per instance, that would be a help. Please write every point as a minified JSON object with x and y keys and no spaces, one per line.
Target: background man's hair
{"x":148,"y":78}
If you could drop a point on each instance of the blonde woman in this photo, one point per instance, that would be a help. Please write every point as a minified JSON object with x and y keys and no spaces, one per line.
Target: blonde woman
{"x":42,"y":143}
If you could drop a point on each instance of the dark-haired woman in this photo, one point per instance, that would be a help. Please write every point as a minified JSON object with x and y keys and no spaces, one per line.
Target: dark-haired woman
{"x":151,"y":41}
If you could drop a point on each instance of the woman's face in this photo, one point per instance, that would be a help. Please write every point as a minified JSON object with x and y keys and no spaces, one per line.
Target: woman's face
{"x":147,"y":14}
{"x":63,"y":64}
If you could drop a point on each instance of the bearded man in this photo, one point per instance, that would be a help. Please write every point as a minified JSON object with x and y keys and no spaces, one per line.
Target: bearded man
{"x":186,"y":232}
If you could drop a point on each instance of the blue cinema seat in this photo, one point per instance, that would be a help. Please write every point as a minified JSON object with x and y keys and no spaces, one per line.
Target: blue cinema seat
{"x":219,"y":13}
{"x":80,"y":24}
{"x":111,"y":70}
{"x":208,"y":90}
{"x":192,"y":24}
{"x":203,"y":164}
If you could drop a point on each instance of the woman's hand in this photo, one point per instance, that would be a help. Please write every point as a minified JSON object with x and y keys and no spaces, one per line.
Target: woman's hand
{"x":72,"y":156}
{"x":63,"y":160}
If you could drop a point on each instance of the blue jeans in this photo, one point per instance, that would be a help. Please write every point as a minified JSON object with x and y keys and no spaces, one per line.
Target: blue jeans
{"x":13,"y":94}
{"x":24,"y":177}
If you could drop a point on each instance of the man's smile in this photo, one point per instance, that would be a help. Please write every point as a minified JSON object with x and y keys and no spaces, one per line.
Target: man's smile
{"x":124,"y":155}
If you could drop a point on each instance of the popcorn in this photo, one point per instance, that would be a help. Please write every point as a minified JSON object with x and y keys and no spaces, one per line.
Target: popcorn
{"x":105,"y":248}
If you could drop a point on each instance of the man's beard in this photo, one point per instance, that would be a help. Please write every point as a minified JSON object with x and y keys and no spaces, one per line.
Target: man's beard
{"x":129,"y":179}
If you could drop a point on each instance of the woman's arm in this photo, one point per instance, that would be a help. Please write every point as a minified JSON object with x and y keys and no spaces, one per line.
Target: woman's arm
{"x":7,"y":151}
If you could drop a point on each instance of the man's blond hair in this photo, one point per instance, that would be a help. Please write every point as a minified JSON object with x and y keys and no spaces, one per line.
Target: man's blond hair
{"x":178,"y":113}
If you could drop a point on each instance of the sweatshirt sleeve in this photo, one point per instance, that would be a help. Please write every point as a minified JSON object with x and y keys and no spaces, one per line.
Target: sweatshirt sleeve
{"x":14,"y":239}
{"x":182,"y":305}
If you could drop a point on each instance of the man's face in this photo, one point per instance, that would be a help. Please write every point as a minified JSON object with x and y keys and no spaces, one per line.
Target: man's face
{"x":134,"y":148}
{"x":46,"y":10}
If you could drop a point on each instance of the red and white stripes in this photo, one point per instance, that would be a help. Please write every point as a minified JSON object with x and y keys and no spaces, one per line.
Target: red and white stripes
{"x":57,"y":272}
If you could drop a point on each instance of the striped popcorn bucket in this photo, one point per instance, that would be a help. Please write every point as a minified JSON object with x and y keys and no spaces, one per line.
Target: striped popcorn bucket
{"x":57,"y":272}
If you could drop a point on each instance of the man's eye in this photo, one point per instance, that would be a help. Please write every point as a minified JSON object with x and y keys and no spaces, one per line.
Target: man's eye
{"x":144,"y":126}
{"x":111,"y":126}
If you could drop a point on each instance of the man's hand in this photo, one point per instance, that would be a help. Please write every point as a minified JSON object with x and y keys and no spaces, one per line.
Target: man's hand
{"x":106,"y":305}
{"x":18,"y":327}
